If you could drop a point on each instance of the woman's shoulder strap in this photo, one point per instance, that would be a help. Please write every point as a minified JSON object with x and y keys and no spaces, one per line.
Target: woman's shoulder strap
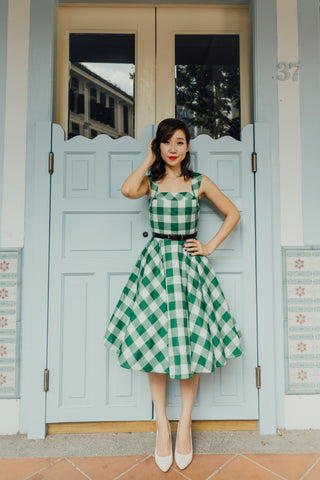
{"x":153,"y":186}
{"x":196,"y":181}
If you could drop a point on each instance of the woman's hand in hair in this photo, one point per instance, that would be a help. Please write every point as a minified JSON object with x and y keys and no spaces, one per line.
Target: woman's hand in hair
{"x":151,"y":152}
{"x":137,"y":184}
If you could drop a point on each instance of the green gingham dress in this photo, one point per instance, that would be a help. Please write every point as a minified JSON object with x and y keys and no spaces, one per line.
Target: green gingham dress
{"x":172,"y":316}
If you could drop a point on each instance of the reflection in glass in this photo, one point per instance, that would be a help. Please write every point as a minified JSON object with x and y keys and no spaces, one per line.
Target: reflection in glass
{"x":208,"y":84}
{"x":101,"y":85}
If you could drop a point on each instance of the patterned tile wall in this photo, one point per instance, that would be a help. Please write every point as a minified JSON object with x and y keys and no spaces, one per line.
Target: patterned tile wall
{"x":302,"y":317}
{"x":10,"y":283}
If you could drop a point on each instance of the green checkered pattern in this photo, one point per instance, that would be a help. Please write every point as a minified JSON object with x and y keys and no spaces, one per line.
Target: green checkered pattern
{"x":175,"y":212}
{"x":172,"y":316}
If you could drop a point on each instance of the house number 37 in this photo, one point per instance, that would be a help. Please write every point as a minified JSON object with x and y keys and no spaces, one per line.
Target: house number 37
{"x":287,"y":70}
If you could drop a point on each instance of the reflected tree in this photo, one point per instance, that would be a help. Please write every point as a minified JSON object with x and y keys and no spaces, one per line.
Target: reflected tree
{"x":208,"y":97}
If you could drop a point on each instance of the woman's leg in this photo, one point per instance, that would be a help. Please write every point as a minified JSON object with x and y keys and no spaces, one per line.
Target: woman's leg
{"x":188,"y":388}
{"x":158,"y":387}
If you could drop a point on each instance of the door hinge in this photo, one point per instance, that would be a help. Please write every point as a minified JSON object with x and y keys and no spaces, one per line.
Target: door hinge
{"x":258,"y":376}
{"x":51,"y":161}
{"x":46,"y":380}
{"x":254,"y":161}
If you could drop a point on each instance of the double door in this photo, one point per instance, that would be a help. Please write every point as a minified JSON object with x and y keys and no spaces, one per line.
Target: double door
{"x":96,"y":234}
{"x":120,"y":69}
{"x":95,"y":238}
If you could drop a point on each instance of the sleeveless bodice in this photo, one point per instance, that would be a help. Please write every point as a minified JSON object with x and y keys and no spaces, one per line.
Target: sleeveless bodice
{"x":172,"y":316}
{"x":175,"y":213}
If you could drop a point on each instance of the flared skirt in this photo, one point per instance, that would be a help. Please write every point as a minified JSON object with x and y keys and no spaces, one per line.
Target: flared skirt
{"x":172,"y":316}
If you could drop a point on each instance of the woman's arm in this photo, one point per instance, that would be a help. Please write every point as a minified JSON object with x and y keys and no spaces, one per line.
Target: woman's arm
{"x":137,"y":184}
{"x":210,"y":190}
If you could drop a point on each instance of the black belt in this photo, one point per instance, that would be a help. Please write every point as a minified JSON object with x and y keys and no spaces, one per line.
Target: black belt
{"x":171,"y":236}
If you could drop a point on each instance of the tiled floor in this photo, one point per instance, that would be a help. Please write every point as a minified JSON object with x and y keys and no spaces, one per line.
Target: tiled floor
{"x":140,"y":467}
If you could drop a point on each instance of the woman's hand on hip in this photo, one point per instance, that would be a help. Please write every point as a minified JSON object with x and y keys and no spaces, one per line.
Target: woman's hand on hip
{"x":195,"y":247}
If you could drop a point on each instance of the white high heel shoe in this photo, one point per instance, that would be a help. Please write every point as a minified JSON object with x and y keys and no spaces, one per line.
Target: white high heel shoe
{"x":183,"y":460}
{"x":164,"y":463}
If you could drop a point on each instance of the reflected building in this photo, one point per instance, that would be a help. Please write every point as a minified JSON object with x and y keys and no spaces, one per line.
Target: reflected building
{"x":96,"y":106}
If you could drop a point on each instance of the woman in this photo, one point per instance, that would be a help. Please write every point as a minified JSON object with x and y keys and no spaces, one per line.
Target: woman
{"x":172,"y":317}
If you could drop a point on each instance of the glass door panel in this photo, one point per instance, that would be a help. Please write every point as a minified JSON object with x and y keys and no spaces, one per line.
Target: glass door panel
{"x":111,"y":79}
{"x":207,"y":51}
{"x":101,"y":84}
{"x":105,"y":70}
{"x":207,"y":84}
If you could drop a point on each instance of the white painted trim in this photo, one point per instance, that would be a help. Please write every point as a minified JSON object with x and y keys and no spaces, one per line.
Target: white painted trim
{"x":9,"y":420}
{"x":289,"y":128}
{"x":35,"y":280}
{"x":302,"y":411}
{"x":309,"y":51}
{"x":3,"y":74}
{"x":12,"y":218}
{"x":269,"y":287}
{"x":35,"y":291}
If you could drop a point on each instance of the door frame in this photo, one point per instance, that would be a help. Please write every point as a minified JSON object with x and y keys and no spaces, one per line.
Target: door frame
{"x":196,"y":19}
{"x":154,"y":50}
{"x":41,"y":112}
{"x":88,"y":20}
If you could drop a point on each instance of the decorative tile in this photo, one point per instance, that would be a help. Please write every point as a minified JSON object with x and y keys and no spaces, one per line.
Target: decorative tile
{"x":302,"y":318}
{"x":7,"y":350}
{"x":10,"y":326}
{"x":8,"y":321}
{"x":7,"y":381}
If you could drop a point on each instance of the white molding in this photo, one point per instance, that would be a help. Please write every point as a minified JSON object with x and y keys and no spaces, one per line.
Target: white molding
{"x":13,"y":181}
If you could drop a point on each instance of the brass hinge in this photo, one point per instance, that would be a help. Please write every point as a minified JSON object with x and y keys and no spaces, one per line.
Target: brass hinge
{"x":258,"y":376}
{"x":254,"y":161}
{"x":51,"y":160}
{"x":46,"y":380}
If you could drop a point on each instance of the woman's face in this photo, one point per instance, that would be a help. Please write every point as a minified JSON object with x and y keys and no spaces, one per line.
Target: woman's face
{"x":174,"y":150}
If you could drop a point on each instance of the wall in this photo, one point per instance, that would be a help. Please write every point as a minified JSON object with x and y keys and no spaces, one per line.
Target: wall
{"x":3,"y":71}
{"x":289,"y":128}
{"x":12,"y":218}
{"x":300,"y":173}
{"x":14,"y":155}
{"x":309,"y":48}
{"x":12,"y":213}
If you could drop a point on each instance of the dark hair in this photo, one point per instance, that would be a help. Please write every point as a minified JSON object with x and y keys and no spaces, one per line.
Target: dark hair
{"x":165,"y":130}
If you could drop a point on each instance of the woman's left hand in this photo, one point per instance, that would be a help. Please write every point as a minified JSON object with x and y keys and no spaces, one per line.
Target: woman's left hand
{"x":195,"y":247}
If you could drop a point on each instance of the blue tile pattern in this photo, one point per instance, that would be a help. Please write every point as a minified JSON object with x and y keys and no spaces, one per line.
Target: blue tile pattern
{"x":302,"y":319}
{"x":10,"y":283}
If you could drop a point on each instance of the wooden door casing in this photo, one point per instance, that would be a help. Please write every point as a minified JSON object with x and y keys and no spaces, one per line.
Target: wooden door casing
{"x":96,"y":237}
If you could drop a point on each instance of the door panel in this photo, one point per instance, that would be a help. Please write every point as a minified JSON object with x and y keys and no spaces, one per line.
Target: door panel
{"x":199,"y":20}
{"x":96,"y":237}
{"x":96,"y":233}
{"x":113,"y":20}
{"x":230,"y":392}
{"x":154,"y":95}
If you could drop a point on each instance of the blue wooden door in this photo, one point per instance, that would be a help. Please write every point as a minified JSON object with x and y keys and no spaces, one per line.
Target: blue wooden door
{"x":95,"y":238}
{"x":230,"y":392}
